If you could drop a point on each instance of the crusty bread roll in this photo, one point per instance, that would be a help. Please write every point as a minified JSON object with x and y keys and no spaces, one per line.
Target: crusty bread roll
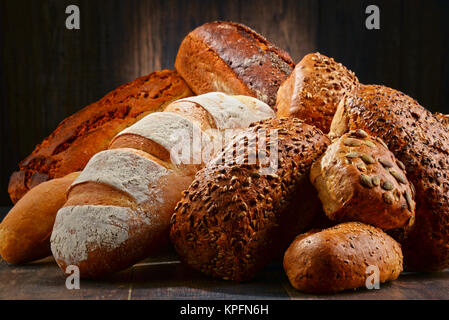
{"x":118,"y":210}
{"x":314,"y":89}
{"x":240,"y":213}
{"x":231,"y":58}
{"x":25,"y":231}
{"x":359,"y":179}
{"x":421,"y":143}
{"x":90,"y":130}
{"x":339,"y":258}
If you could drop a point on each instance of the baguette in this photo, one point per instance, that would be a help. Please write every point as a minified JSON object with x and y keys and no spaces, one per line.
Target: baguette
{"x":90,"y":130}
{"x":118,"y":210}
{"x":339,"y":258}
{"x":25,"y":231}
{"x":421,"y":143}
{"x":239,"y":213}
{"x":232,"y":58}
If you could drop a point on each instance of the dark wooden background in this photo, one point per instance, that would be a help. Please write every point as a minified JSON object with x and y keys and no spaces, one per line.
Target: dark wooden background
{"x":48,"y":72}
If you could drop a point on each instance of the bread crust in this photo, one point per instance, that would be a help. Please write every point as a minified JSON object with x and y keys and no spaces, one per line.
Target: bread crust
{"x":444,"y":118}
{"x":25,"y":231}
{"x":314,"y":89}
{"x":90,"y":130}
{"x":232,"y":220}
{"x":359,"y":179}
{"x":421,"y":143}
{"x":234,"y":59}
{"x":338,"y":258}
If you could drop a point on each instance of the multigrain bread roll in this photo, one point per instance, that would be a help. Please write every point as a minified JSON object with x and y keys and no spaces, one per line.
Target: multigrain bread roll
{"x":90,"y":130}
{"x":359,"y":179}
{"x":247,"y":204}
{"x":444,"y":118}
{"x":25,"y":231}
{"x":231,"y":58}
{"x":421,"y":143}
{"x":118,"y":210}
{"x":314,"y":89}
{"x":341,"y":257}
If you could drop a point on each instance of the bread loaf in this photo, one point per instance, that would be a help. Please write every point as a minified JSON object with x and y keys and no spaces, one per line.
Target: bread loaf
{"x":243,"y":209}
{"x":25,"y":231}
{"x":231,"y":58}
{"x":90,"y":130}
{"x":421,"y":143}
{"x":314,"y":89}
{"x":359,"y":179}
{"x":341,"y":257}
{"x":118,"y":210}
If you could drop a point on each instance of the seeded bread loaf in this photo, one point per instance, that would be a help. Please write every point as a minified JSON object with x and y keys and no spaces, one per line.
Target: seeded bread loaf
{"x":248,"y":203}
{"x":231,"y":58}
{"x":25,"y":231}
{"x":342,"y":257}
{"x":90,"y":130}
{"x":359,"y":179}
{"x":421,"y":143}
{"x":314,"y":89}
{"x":118,"y":210}
{"x":444,"y":118}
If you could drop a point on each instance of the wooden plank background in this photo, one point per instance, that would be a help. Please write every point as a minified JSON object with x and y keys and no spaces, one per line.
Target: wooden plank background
{"x":48,"y":72}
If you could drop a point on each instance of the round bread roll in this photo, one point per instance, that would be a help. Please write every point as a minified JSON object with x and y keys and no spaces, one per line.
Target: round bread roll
{"x":359,"y":179}
{"x":238,"y":213}
{"x":421,"y":143}
{"x":314,"y":89}
{"x":341,"y":257}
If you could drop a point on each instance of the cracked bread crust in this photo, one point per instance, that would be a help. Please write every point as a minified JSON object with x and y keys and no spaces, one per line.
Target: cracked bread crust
{"x":232,"y":220}
{"x":90,"y":130}
{"x":232,"y":58}
{"x":421,"y":143}
{"x":314,"y":89}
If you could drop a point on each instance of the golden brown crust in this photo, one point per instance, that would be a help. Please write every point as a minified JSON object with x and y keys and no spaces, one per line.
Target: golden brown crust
{"x":421,"y":142}
{"x":91,"y":129}
{"x":444,"y":118}
{"x":337,"y":258}
{"x":359,"y":179}
{"x":25,"y":232}
{"x":314,"y":89}
{"x":233,"y":219}
{"x":231,"y":58}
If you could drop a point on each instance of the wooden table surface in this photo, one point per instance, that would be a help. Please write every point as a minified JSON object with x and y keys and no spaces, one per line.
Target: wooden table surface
{"x":163,"y":277}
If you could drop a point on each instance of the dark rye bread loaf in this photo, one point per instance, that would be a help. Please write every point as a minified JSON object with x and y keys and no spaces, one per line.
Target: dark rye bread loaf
{"x":233,"y":220}
{"x":90,"y":130}
{"x":234,"y":59}
{"x":314,"y":89}
{"x":421,"y":143}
